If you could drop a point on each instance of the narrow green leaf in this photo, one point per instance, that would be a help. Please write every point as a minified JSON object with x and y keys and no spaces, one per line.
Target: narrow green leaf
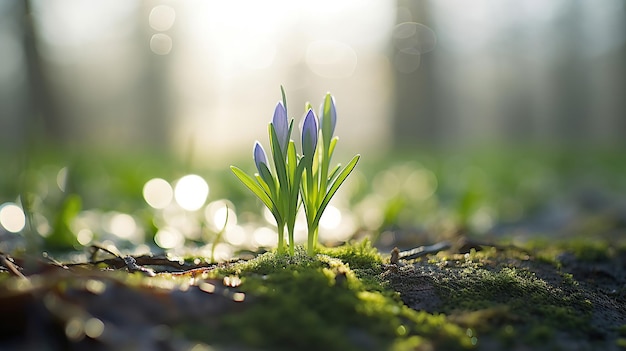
{"x":326,"y":126}
{"x":290,"y":128}
{"x":250,"y":183}
{"x":263,"y":184}
{"x":267,"y":176}
{"x":335,"y":186}
{"x":334,"y":173}
{"x":282,"y":92}
{"x":292,"y":161}
{"x":331,"y":148}
{"x":279,"y":158}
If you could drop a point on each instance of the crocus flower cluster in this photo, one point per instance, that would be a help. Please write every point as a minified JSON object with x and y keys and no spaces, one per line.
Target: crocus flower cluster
{"x":295,"y":178}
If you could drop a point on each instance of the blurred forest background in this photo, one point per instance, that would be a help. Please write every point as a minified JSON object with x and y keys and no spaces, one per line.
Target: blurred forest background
{"x":197,"y":81}
{"x":206,"y":74}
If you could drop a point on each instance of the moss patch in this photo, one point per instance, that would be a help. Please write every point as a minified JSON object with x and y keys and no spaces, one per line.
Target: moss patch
{"x":321,"y":302}
{"x":503,"y":297}
{"x":351,"y":298}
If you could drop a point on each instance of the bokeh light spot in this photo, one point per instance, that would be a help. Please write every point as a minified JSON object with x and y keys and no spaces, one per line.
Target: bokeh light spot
{"x":414,"y":38}
{"x":162,"y":17}
{"x":191,"y":192}
{"x":84,"y":236}
{"x":62,"y":178}
{"x":268,"y":216}
{"x":265,"y":237}
{"x":161,"y":44}
{"x":406,"y":63}
{"x":220,"y":214}
{"x":158,"y":193}
{"x":123,"y":225}
{"x":331,"y":218}
{"x":12,"y":217}
{"x":411,"y":40}
{"x":74,"y":329}
{"x":95,"y":286}
{"x":94,"y":328}
{"x":169,"y":238}
{"x":235,"y":236}
{"x":239,"y":297}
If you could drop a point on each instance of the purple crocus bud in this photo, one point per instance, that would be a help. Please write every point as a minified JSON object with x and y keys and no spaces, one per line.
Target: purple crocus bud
{"x":309,"y":134}
{"x":281,"y":126}
{"x":328,"y":118}
{"x":259,"y":156}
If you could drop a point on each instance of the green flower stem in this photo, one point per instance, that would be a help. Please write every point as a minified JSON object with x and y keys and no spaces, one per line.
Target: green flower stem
{"x":281,"y":238}
{"x":312,"y":239}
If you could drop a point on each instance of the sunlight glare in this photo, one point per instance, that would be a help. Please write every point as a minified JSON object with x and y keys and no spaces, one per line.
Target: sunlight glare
{"x":191,"y":192}
{"x":158,"y":193}
{"x":257,"y":54}
{"x":12,"y":217}
{"x":331,"y":59}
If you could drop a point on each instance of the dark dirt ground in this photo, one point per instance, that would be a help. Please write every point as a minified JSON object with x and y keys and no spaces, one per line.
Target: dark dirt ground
{"x":598,"y":288}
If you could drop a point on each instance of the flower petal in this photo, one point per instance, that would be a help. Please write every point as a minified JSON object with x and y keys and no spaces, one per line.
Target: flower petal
{"x":281,"y":126}
{"x":309,"y":134}
{"x":259,"y":156}
{"x":328,"y":116}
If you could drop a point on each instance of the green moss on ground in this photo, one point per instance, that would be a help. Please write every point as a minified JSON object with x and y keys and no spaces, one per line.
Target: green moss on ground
{"x":332,"y":301}
{"x":507,"y":297}
{"x":351,"y":298}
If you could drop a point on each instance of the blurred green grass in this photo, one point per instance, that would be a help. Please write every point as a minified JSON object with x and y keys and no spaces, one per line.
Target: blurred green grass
{"x":404,"y":198}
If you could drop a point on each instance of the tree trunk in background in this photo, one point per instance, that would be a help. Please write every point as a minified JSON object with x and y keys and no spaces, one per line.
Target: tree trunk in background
{"x":41,"y":116}
{"x":572,"y":82}
{"x":154,"y":94}
{"x":518,"y":78}
{"x":416,"y":116}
